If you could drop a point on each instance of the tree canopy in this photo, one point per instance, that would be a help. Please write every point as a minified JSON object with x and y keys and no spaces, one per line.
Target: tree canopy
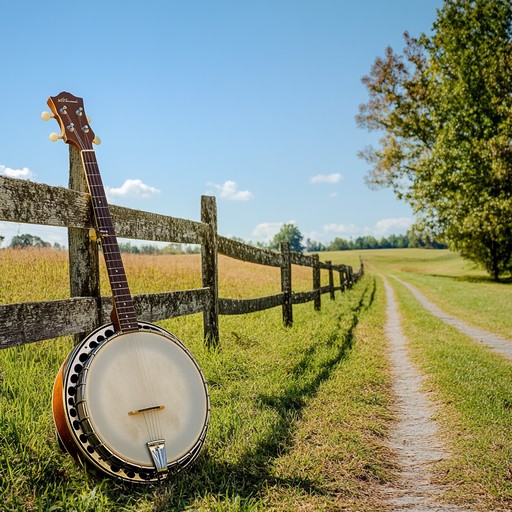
{"x":288,"y":233}
{"x":26,"y":240}
{"x":444,"y":107}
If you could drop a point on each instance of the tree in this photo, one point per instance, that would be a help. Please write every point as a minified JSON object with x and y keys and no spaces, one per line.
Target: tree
{"x":340,"y":244}
{"x":444,"y":107}
{"x":289,"y":233}
{"x":24,"y":241}
{"x":313,"y":246}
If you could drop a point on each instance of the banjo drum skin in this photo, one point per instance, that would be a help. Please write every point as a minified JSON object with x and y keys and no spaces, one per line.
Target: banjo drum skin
{"x":130,"y":400}
{"x":134,"y":405}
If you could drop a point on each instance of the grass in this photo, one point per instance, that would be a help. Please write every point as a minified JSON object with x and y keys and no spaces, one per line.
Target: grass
{"x":268,"y":385}
{"x":300,"y":415}
{"x":450,"y":282}
{"x":473,"y":389}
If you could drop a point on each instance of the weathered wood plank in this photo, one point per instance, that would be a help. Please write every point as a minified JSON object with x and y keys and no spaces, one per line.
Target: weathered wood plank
{"x":161,"y":306}
{"x":36,"y":203}
{"x":140,"y":225}
{"x":240,"y":251}
{"x":286,"y":284}
{"x":34,"y":321}
{"x":28,"y":322}
{"x":302,"y":259}
{"x":243,"y":306}
{"x":210,"y":270}
{"x":302,"y":297}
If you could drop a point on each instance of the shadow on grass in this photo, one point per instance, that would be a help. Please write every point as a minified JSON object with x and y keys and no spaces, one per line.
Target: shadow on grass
{"x":246,"y":480}
{"x":239,"y":486}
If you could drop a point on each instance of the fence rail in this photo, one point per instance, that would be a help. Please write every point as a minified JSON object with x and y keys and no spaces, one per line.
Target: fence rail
{"x":35,"y":203}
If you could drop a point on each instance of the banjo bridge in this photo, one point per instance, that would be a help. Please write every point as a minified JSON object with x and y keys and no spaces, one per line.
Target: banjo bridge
{"x":158,"y":454}
{"x":147,"y":409}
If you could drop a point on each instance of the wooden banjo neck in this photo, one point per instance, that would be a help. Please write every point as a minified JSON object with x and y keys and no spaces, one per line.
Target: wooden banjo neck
{"x":69,"y":112}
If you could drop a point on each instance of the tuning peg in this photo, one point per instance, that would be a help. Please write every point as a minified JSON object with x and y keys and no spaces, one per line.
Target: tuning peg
{"x":46,"y":116}
{"x":88,"y":119}
{"x":54,"y":136}
{"x":97,"y":140}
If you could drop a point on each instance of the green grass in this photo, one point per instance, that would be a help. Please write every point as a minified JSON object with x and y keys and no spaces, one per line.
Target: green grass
{"x":450,"y":282}
{"x":267,"y":384}
{"x":300,"y":415}
{"x":473,"y":389}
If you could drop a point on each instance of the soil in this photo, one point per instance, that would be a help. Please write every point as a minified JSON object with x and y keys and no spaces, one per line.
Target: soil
{"x":414,"y":439}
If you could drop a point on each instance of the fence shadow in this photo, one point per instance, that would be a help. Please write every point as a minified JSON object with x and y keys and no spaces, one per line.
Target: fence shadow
{"x":249,"y":476}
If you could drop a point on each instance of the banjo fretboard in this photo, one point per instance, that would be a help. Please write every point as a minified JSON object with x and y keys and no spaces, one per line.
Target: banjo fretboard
{"x":123,"y":302}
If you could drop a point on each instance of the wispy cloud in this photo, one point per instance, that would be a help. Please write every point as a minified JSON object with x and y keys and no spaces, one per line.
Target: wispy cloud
{"x":383,"y":227}
{"x":132,"y":188}
{"x":266,"y":231}
{"x":229,"y":190}
{"x":343,"y":229}
{"x":327,"y":178}
{"x":24,"y":174}
{"x":392,"y":226}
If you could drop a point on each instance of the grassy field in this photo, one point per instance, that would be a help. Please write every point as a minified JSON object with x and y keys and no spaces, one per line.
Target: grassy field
{"x":300,"y":415}
{"x":472,"y":386}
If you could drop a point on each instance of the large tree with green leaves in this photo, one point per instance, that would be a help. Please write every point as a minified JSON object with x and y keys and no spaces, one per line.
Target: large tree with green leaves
{"x":288,"y":233}
{"x":444,"y":107}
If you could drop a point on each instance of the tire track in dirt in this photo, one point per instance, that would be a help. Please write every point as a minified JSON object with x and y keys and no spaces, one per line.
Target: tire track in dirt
{"x":414,"y":438}
{"x":497,"y":343}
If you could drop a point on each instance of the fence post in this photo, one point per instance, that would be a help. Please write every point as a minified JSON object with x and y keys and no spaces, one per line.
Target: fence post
{"x":286,"y":284}
{"x":210,"y":272}
{"x":341,"y":271}
{"x":331,"y":280}
{"x":350,"y":277}
{"x":84,"y":274}
{"x":316,"y":282}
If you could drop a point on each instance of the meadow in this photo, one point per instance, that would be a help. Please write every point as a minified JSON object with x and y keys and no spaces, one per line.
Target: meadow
{"x":300,"y":415}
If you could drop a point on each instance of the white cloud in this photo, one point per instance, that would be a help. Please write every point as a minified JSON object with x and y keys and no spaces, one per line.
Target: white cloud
{"x":228,"y":190}
{"x":265,"y":231}
{"x":392,"y":226}
{"x":345,"y":229}
{"x":24,"y":174}
{"x":382,"y":228}
{"x":327,"y":178}
{"x":132,"y":188}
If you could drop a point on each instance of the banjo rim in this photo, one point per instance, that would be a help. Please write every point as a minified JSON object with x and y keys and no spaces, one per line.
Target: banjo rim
{"x":77,"y":434}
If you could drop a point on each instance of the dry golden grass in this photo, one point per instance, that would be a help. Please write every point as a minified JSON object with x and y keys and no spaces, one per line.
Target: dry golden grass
{"x":33,"y":274}
{"x":43,"y":274}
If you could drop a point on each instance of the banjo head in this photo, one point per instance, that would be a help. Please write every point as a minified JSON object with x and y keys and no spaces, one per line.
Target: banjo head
{"x":136,"y":403}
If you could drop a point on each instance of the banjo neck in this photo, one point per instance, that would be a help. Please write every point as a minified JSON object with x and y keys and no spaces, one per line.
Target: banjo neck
{"x":69,"y":112}
{"x":123,"y":314}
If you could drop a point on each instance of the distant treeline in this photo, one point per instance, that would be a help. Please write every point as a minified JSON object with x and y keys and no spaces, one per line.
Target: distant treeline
{"x":370,"y":242}
{"x":338,"y":244}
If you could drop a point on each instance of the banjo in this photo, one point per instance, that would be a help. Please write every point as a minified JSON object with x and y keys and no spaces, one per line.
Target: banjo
{"x":130,"y":401}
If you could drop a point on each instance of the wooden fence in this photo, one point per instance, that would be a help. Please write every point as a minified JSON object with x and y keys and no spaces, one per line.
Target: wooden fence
{"x":36,"y":203}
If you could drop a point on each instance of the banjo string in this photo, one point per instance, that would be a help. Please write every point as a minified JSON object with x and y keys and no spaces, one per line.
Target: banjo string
{"x":140,"y":366}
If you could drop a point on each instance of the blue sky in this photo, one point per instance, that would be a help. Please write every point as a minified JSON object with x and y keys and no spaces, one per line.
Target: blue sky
{"x":252,"y":101}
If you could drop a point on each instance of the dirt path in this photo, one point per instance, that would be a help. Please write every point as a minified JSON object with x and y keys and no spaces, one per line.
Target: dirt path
{"x":414,"y":438}
{"x":499,"y":344}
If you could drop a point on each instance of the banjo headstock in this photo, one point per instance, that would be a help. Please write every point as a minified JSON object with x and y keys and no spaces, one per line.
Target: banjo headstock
{"x":69,"y":112}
